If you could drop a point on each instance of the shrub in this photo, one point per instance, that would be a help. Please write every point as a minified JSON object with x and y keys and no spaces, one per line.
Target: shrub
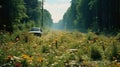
{"x":95,"y":54}
{"x":114,"y":54}
{"x":44,"y":49}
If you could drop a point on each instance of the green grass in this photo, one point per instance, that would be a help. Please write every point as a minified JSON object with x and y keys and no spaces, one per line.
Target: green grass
{"x":59,"y":49}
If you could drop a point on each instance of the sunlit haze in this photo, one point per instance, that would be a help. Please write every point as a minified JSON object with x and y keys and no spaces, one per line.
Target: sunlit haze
{"x":57,"y":8}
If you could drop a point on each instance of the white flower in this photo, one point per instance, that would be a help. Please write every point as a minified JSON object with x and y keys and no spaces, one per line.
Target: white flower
{"x":16,"y":58}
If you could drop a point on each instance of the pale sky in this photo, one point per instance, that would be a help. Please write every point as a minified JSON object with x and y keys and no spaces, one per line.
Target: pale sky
{"x":57,"y":8}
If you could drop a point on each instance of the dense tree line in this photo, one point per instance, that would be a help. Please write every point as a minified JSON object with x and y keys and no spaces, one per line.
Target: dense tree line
{"x":97,"y":15}
{"x":14,"y":14}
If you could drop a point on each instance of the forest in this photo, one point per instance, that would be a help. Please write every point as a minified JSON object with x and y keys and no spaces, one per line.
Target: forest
{"x":95,"y":15}
{"x":19,"y":14}
{"x":82,"y":15}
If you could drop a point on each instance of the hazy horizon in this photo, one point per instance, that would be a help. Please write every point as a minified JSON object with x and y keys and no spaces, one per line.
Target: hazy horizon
{"x":57,"y":8}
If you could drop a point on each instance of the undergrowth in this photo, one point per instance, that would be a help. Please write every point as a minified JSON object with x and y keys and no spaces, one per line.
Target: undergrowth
{"x":59,"y":49}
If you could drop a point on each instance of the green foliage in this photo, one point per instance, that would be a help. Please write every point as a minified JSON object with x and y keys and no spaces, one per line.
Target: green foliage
{"x":92,"y":4}
{"x":47,"y":19}
{"x":44,"y":49}
{"x":17,"y":13}
{"x":97,"y":15}
{"x":114,"y":55}
{"x":95,"y":54}
{"x":72,"y":48}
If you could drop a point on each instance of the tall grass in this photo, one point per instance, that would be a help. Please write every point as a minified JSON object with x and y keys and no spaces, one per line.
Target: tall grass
{"x":59,"y":49}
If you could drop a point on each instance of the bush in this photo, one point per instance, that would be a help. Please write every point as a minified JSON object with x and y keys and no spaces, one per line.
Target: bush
{"x":95,"y":54}
{"x":114,"y":54}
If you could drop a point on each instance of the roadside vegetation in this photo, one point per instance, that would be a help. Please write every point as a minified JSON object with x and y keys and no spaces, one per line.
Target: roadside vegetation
{"x":54,"y":48}
{"x":59,"y":49}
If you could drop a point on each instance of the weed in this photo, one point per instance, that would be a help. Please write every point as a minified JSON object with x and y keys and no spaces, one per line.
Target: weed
{"x":95,"y":54}
{"x":59,"y":49}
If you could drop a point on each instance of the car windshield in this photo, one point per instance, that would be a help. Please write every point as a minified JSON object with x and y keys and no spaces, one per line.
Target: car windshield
{"x":35,"y":29}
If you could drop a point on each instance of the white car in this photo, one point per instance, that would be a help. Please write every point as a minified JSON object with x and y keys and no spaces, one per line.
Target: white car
{"x":36,"y":31}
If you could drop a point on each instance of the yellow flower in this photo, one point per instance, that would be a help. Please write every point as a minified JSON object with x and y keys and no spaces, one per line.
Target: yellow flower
{"x":40,"y":59}
{"x":24,"y":56}
{"x":28,"y":58}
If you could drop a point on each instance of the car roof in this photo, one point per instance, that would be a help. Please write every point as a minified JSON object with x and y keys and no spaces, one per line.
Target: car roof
{"x":35,"y":29}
